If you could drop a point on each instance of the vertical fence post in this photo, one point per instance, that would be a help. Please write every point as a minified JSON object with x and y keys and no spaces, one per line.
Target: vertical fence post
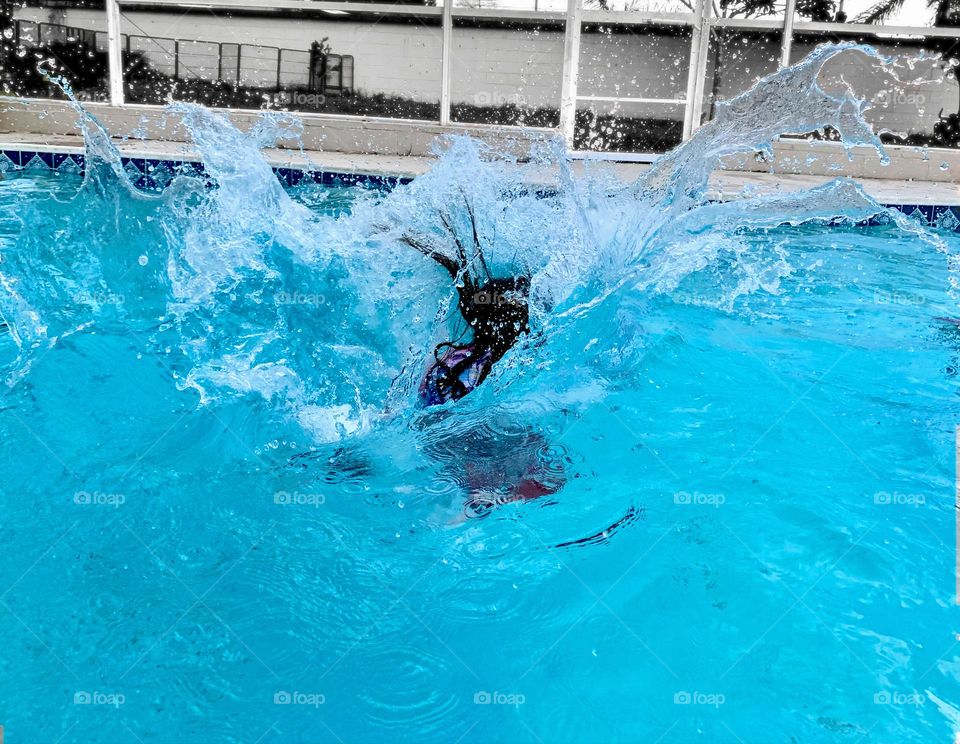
{"x":571,"y":69}
{"x":6,"y":49}
{"x":239,"y":53}
{"x":176,"y":59}
{"x":279,"y":62}
{"x":446,"y":43}
{"x":696,"y":33}
{"x":114,"y":53}
{"x":787,"y":42}
{"x":698,"y":70}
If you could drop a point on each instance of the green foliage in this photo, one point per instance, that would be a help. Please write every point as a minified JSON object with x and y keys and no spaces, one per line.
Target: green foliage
{"x":946,"y":13}
{"x":814,"y":10}
{"x":82,"y":66}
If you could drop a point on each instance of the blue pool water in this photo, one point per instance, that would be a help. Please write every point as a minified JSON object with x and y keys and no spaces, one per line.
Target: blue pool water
{"x":225,"y":517}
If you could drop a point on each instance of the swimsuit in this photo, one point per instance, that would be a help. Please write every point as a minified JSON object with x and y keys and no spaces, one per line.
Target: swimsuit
{"x":458,"y":371}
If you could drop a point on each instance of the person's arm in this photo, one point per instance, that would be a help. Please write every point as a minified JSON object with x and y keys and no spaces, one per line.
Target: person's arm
{"x":430,"y":252}
{"x":458,"y":268}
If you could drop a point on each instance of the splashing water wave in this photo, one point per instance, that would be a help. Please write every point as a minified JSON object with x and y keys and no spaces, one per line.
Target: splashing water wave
{"x":330,"y":320}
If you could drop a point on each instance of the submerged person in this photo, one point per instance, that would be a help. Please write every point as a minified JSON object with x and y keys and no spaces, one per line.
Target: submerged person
{"x":496,"y":310}
{"x":503,"y":465}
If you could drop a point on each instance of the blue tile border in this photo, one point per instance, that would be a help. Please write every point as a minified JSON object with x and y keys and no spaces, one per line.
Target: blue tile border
{"x":942,"y":217}
{"x":154,"y":175}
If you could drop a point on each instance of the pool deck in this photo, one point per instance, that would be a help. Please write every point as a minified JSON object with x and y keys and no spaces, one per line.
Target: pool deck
{"x":725,"y":184}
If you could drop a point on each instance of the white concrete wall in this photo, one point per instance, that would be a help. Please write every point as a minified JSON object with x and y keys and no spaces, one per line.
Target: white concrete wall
{"x":395,"y":59}
{"x":907,"y":106}
{"x":363,"y":135}
{"x":493,"y":66}
{"x":500,"y":65}
{"x":904,"y":106}
{"x":30,"y":123}
{"x":489,"y":65}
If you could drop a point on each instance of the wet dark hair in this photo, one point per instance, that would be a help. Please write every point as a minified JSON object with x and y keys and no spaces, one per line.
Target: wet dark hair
{"x":496,"y":309}
{"x":497,"y":312}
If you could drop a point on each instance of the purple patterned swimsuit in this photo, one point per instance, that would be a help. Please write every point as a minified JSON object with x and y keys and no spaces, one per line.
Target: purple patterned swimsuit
{"x":458,"y":371}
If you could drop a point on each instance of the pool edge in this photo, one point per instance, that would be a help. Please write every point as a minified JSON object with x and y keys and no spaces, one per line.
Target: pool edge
{"x":152,"y":170}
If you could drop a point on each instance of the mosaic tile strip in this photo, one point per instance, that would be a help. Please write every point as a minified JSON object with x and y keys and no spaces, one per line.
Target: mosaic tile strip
{"x":151,"y":174}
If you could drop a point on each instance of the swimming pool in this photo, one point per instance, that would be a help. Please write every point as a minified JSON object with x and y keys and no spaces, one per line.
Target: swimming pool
{"x":227,"y":519}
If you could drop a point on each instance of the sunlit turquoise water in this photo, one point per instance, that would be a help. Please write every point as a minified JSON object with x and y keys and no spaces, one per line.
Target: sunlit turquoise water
{"x":227,"y":519}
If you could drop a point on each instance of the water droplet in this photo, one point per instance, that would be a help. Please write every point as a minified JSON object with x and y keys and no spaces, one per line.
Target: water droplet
{"x":143,"y":260}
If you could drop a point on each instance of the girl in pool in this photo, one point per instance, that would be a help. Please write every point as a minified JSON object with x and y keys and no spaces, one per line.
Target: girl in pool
{"x":495,"y":309}
{"x":502,"y":467}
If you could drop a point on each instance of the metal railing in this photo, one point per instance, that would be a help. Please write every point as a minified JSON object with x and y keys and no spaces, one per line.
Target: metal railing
{"x":267,"y":67}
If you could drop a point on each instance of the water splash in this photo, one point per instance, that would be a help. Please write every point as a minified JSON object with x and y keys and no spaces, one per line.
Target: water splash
{"x":328,"y":319}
